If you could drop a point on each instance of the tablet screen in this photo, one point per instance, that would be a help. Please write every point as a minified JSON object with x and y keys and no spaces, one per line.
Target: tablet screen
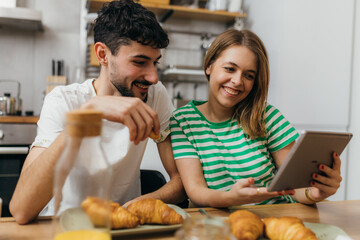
{"x":310,"y":150}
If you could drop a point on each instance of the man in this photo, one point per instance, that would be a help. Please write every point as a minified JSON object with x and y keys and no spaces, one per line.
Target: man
{"x":128,"y":40}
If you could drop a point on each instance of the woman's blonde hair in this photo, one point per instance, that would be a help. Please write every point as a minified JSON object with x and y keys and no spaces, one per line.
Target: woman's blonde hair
{"x":250,"y":111}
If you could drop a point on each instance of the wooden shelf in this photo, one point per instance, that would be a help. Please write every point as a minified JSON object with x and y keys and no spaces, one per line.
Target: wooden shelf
{"x":180,"y":12}
{"x":19,"y":119}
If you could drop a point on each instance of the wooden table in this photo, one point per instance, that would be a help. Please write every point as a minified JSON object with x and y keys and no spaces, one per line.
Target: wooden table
{"x":344,"y":214}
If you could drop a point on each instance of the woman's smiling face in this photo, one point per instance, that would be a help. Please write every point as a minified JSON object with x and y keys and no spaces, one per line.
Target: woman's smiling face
{"x":232,"y":76}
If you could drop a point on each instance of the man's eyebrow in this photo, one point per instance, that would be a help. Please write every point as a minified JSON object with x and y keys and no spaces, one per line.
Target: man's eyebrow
{"x":145,"y":57}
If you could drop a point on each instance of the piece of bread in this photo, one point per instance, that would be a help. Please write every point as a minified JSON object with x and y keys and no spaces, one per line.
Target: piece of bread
{"x":96,"y":209}
{"x":154,"y":211}
{"x":246,"y":225}
{"x":287,"y":228}
{"x":154,"y":136}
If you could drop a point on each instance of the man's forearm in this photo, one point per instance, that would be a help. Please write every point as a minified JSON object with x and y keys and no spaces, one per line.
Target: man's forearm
{"x":35,"y":186}
{"x":172,"y":192}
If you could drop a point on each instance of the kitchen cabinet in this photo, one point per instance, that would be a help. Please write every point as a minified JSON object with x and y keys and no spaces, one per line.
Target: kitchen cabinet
{"x":16,"y":135}
{"x":21,"y":19}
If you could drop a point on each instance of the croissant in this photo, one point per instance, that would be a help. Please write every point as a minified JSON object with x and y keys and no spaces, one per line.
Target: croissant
{"x":287,"y":228}
{"x":154,"y":136}
{"x":96,"y":209}
{"x":154,"y":211}
{"x":246,"y":225}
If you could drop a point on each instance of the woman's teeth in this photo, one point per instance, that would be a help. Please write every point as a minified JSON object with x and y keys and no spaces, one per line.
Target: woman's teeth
{"x":231,"y":91}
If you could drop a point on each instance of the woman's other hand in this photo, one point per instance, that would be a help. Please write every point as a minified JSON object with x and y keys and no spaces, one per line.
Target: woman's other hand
{"x":324,"y":186}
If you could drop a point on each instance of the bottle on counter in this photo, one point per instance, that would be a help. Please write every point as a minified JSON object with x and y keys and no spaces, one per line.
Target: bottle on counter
{"x":82,"y":181}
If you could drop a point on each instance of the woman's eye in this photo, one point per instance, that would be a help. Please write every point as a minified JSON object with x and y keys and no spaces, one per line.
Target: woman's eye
{"x":156,"y":63}
{"x":250,"y":76}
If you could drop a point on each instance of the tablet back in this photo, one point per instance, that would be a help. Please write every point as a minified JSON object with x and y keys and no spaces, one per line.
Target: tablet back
{"x":310,"y":150}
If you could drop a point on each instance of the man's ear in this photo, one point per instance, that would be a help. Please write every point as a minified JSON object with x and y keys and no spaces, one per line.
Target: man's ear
{"x":101,"y":52}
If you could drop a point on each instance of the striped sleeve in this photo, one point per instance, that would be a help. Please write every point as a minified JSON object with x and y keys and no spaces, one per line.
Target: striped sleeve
{"x":181,"y":145}
{"x":280,"y":132}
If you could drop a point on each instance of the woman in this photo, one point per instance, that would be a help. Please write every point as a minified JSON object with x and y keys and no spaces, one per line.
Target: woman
{"x":227,"y":149}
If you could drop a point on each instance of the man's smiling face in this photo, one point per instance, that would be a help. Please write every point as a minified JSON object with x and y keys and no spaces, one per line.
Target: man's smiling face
{"x":133,"y":69}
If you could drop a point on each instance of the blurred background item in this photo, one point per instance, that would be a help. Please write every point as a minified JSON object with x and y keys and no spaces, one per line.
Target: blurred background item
{"x":10,"y":105}
{"x":234,"y":6}
{"x":162,"y":2}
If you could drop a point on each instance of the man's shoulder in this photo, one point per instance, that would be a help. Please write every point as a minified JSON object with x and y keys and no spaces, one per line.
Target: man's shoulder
{"x":158,"y":88}
{"x":84,"y":88}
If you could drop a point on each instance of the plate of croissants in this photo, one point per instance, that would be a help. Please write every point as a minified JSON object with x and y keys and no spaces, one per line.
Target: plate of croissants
{"x":141,"y":217}
{"x":247,"y":225}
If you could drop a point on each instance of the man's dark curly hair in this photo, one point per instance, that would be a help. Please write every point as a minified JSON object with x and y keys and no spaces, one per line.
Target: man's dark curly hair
{"x":119,"y":22}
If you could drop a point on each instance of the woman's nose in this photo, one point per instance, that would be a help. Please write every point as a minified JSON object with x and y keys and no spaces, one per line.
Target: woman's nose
{"x":237,"y":79}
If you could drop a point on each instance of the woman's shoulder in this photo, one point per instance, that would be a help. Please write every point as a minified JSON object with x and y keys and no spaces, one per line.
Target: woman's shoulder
{"x":189,"y":108}
{"x":271,"y":109}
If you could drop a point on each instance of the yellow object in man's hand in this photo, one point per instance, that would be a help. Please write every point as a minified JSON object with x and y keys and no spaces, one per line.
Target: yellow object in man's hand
{"x":154,"y":136}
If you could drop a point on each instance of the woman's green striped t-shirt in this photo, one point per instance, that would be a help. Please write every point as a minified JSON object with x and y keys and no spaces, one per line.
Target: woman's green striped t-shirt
{"x":226,"y":155}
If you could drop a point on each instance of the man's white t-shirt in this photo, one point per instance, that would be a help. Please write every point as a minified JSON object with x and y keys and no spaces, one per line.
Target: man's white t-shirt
{"x":123,"y":155}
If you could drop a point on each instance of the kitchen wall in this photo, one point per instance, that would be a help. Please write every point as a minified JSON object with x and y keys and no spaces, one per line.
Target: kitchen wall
{"x":314,"y":57}
{"x":26,"y":56}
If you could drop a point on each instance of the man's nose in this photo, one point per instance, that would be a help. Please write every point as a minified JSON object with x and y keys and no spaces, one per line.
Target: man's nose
{"x":151,"y":75}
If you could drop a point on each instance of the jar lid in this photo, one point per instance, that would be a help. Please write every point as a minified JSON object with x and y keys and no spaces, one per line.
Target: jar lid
{"x":83,"y":123}
{"x":84,"y":116}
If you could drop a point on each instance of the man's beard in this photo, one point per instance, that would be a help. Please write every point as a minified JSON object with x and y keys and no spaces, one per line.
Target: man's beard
{"x":126,"y":92}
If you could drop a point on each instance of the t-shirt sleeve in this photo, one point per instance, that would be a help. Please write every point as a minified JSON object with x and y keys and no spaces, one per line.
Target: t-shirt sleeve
{"x":280,"y":132}
{"x":164,"y":108}
{"x":52,"y":119}
{"x":180,"y":142}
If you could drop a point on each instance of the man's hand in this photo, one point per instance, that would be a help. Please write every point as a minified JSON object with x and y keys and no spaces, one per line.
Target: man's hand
{"x":130,"y":111}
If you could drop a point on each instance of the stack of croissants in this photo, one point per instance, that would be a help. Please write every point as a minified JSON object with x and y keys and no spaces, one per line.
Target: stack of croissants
{"x":246,"y":225}
{"x":146,"y":211}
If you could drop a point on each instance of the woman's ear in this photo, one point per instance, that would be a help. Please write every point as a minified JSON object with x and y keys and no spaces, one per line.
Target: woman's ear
{"x":101,"y":52}
{"x":208,"y":70}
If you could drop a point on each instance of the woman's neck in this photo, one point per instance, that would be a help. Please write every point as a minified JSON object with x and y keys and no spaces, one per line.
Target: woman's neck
{"x":214,"y":112}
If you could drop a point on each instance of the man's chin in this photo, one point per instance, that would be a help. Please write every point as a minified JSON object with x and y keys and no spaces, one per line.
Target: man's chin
{"x":142,"y":96}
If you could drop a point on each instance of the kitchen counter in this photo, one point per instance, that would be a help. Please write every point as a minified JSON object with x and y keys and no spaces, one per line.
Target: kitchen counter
{"x":19,"y":119}
{"x":17,"y":130}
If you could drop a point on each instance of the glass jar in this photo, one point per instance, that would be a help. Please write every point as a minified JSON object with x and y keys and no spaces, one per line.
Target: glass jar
{"x":82,"y":181}
{"x":201,"y":228}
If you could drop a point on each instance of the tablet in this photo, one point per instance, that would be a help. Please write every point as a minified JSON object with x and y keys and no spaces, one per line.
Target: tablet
{"x":311,"y":149}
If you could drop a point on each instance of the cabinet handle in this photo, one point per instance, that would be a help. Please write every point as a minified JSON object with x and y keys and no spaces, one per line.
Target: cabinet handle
{"x":14,"y":150}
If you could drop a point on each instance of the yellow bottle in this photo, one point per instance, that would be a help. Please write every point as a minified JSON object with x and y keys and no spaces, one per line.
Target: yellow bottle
{"x":83,"y":235}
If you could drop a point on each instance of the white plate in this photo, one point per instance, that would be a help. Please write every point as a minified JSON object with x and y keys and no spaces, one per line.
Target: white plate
{"x":325,"y":232}
{"x":76,"y":218}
